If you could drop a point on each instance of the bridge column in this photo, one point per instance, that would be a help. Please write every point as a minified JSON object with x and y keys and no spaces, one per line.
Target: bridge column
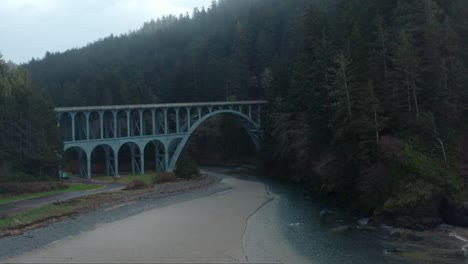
{"x":81,"y":163}
{"x":259,"y":119}
{"x":166,"y":160}
{"x":133,"y":158}
{"x":166,"y":125}
{"x":177,"y":121}
{"x":189,"y":118}
{"x":114,"y":116}
{"x":159,"y":150}
{"x":87,"y":114}
{"x":199,"y":113}
{"x":73,"y":125}
{"x":101,"y":123}
{"x":116,"y":161}
{"x":108,"y":158}
{"x":153,"y":121}
{"x":142,"y":162}
{"x":110,"y":171}
{"x":128,"y":123}
{"x":142,"y":130}
{"x":88,"y":166}
{"x":250,"y":112}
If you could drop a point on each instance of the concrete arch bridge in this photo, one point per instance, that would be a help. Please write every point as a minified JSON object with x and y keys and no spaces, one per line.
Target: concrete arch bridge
{"x":167,"y":126}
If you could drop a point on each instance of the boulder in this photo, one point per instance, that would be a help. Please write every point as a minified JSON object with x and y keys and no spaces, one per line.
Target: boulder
{"x":454,"y":213}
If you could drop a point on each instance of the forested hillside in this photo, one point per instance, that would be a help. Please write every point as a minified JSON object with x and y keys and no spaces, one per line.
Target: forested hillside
{"x":30,"y":145}
{"x":368,"y":99}
{"x":186,"y":58}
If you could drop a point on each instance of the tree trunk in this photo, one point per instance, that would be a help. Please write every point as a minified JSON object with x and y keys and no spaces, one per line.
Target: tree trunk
{"x":442,"y":146}
{"x":415,"y":96}
{"x":345,"y":79}
{"x":377,"y":136}
{"x":408,"y":88}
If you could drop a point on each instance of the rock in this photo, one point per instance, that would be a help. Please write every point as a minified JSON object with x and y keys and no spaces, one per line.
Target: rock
{"x":367,"y":228}
{"x":413,"y":237}
{"x":27,"y":235}
{"x":328,"y":217}
{"x":325,"y":212}
{"x":395,"y":233}
{"x":454,"y":213}
{"x":392,"y":250}
{"x":363,"y":221}
{"x":342,"y":229}
{"x":444,"y":227}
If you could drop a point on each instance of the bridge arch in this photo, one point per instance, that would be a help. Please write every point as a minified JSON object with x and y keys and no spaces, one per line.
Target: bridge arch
{"x":110,"y":159}
{"x":82,"y":157}
{"x":167,"y":126}
{"x":137,"y":157}
{"x":183,"y":142}
{"x":156,"y":149}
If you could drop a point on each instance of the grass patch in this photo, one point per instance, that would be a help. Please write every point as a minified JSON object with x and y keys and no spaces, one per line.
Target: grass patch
{"x":71,"y":188}
{"x":30,"y":217}
{"x":146,"y":178}
{"x":58,"y":210}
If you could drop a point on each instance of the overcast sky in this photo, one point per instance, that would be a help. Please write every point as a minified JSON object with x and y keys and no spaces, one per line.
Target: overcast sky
{"x":29,"y":28}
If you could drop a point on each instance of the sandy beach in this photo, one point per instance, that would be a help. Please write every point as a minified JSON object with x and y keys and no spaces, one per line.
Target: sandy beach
{"x":205,"y":230}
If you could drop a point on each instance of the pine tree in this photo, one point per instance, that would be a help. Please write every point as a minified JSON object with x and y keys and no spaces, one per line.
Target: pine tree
{"x":239,"y":73}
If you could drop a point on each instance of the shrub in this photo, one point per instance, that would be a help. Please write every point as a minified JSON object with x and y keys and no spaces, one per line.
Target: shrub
{"x":164,"y":177}
{"x":186,"y":168}
{"x":136,"y":185}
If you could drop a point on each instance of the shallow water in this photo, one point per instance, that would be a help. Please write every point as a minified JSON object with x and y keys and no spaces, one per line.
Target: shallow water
{"x":289,"y":229}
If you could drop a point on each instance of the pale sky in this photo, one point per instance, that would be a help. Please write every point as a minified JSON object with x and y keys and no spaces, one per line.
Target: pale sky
{"x":29,"y":28}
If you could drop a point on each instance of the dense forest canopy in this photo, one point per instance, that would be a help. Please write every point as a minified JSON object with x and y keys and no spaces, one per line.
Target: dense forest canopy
{"x":368,"y":98}
{"x":29,"y":141}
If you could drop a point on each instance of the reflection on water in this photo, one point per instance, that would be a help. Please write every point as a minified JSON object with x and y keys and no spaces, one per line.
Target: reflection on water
{"x":290,"y":229}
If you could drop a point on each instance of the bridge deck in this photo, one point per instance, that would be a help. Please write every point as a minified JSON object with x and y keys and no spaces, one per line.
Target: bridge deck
{"x":151,"y":106}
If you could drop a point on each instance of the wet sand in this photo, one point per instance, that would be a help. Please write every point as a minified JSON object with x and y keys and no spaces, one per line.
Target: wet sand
{"x":205,"y":230}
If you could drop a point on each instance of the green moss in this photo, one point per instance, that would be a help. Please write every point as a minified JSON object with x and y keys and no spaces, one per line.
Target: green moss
{"x":420,"y":166}
{"x":411,"y":195}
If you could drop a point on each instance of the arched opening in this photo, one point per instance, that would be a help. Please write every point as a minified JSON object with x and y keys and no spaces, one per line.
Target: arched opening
{"x":183,"y":120}
{"x":94,"y":126}
{"x":65,"y":123}
{"x":75,"y":162}
{"x":172,"y":120}
{"x":80,"y":127}
{"x":148,"y":123}
{"x":205,"y":111}
{"x":155,"y":156}
{"x":221,"y":137}
{"x":136,"y":123}
{"x":175,"y":143}
{"x":122,"y":124}
{"x":109,"y":126}
{"x":130,"y":159}
{"x":103,"y":161}
{"x":195,"y":113}
{"x":160,"y":122}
